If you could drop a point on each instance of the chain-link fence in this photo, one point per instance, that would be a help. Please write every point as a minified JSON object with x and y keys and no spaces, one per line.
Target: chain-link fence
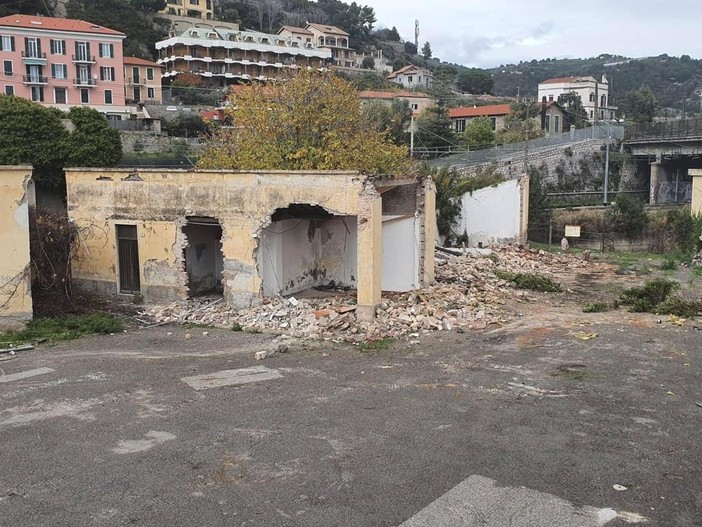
{"x":535,"y":146}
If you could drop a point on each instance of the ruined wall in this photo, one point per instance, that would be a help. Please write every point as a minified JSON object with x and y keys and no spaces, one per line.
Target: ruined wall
{"x":493,"y":214}
{"x":158,"y":202}
{"x":297,"y":254}
{"x":15,"y":288}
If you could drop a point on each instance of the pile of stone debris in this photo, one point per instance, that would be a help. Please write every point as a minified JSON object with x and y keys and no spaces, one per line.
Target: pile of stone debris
{"x":467,"y":295}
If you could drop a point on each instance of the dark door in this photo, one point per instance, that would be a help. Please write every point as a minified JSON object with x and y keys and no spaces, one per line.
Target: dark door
{"x":128,"y":253}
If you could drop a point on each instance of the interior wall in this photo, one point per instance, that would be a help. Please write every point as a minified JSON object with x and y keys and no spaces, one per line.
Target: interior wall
{"x":203,"y":256}
{"x":400,"y":253}
{"x":297,"y":254}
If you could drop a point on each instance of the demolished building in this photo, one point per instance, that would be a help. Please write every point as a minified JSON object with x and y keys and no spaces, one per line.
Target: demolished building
{"x":172,"y":234}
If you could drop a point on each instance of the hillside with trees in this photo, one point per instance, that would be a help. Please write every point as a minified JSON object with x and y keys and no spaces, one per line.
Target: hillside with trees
{"x":672,"y":80}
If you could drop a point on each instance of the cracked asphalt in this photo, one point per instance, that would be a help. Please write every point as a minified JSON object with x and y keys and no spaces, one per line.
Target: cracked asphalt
{"x":104,"y":431}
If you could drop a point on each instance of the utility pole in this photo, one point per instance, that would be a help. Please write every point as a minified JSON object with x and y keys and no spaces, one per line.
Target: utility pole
{"x":606,"y":174}
{"x":412,"y":136}
{"x":526,"y":138}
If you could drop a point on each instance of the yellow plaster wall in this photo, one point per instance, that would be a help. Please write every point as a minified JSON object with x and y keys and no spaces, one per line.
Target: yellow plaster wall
{"x":696,"y":205}
{"x":158,"y":201}
{"x":15,"y":289}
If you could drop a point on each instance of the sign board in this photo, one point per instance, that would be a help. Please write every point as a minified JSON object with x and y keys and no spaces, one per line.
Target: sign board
{"x":572,"y":231}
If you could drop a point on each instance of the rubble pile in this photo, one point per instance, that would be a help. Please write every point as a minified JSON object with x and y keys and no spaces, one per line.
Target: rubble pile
{"x":466,"y":295}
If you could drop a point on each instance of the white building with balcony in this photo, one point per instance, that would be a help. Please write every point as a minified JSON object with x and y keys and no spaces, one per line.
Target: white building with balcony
{"x":223,"y":56}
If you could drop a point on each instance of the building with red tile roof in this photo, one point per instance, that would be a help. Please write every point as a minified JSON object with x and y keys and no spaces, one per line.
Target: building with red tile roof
{"x":495,"y":112}
{"x":142,"y":80}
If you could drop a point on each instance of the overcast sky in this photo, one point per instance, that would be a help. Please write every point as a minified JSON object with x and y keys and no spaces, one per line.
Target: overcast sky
{"x":488,"y":33}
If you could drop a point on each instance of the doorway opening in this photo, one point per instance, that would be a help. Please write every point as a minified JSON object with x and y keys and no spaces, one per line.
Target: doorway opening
{"x":202,"y":255}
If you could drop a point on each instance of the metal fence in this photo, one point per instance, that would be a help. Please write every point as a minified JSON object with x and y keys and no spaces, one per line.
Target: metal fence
{"x":681,"y":128}
{"x":535,"y":146}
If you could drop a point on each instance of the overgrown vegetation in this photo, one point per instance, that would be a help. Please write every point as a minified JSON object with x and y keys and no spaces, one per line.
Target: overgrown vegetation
{"x":531,"y":281}
{"x":55,"y":329}
{"x":658,"y":296}
{"x":310,"y":121}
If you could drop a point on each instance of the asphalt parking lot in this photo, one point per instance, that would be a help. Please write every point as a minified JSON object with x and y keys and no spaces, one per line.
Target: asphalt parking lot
{"x":523,"y":425}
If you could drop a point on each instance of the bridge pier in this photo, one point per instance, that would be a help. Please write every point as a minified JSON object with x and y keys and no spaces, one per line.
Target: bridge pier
{"x":669,"y":182}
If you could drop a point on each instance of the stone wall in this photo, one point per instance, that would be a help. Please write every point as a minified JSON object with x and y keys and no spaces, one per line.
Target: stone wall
{"x":151,"y":143}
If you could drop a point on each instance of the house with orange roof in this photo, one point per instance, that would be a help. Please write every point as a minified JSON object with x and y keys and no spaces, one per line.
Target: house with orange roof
{"x":460,"y":117}
{"x":593,"y":94}
{"x":412,"y":77}
{"x":62,"y":63}
{"x":142,"y":80}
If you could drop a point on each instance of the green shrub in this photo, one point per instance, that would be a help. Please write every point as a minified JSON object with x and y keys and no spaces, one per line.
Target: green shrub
{"x":650,"y":294}
{"x":677,"y":306}
{"x":628,"y":216}
{"x":531,"y":281}
{"x":374,"y":345}
{"x":595,"y":307}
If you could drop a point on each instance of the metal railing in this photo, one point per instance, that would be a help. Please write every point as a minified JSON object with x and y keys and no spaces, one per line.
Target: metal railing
{"x":84,"y":58}
{"x":85,"y":82}
{"x":535,"y":146}
{"x":35,"y":79}
{"x":33,"y":55}
{"x":681,"y":128}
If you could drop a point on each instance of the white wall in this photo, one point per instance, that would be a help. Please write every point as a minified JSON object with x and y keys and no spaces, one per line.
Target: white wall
{"x":491,"y":215}
{"x":298,"y":254}
{"x":400,"y":253}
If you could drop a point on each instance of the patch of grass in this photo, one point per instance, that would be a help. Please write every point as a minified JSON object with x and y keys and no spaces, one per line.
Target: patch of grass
{"x":137,"y":299}
{"x":374,"y":345}
{"x":253,"y":331}
{"x":55,"y":329}
{"x":195,"y":325}
{"x":670,"y":264}
{"x":595,"y":307}
{"x":237,"y":327}
{"x":493,"y":257}
{"x":531,"y":281}
{"x":697,"y":271}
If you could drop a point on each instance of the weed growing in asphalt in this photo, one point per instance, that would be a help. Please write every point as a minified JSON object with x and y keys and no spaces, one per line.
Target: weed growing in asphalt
{"x":62,"y":328}
{"x":532,"y":281}
{"x":374,"y":345}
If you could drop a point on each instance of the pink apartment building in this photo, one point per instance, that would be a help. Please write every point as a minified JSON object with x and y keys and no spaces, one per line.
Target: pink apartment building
{"x":63,"y":63}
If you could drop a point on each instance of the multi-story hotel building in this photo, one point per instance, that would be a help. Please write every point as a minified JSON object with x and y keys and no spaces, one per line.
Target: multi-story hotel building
{"x":223,"y":56}
{"x":62,"y":63}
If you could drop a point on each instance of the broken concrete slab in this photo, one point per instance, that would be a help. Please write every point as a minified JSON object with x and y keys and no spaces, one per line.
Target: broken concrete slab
{"x":231,"y":377}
